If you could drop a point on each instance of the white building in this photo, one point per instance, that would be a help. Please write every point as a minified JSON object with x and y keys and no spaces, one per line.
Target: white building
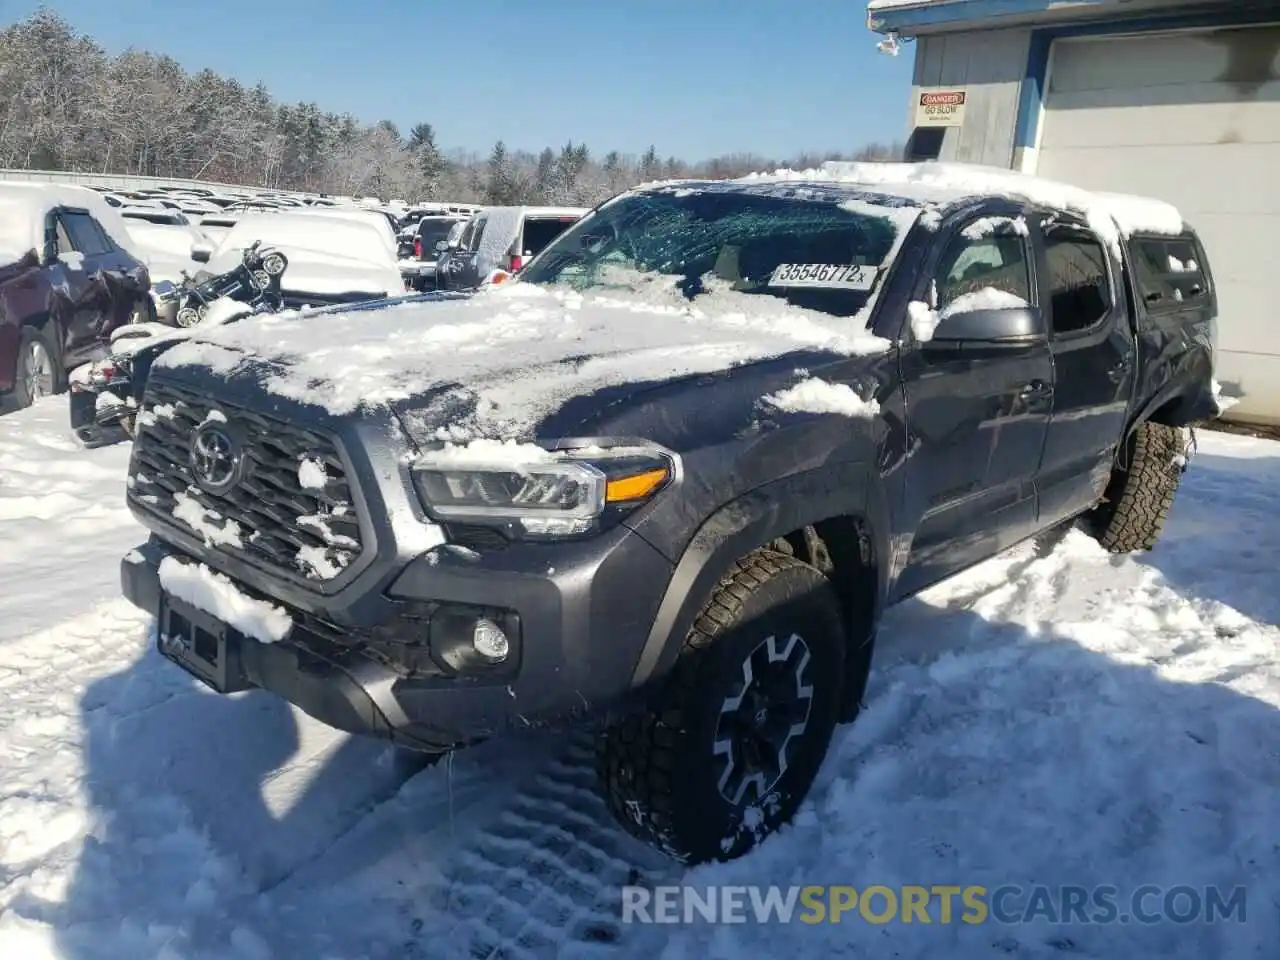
{"x":1176,"y":99}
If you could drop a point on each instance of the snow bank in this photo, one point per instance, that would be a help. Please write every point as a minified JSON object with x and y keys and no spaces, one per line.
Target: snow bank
{"x":814,"y":395}
{"x":216,"y":595}
{"x":1108,"y":214}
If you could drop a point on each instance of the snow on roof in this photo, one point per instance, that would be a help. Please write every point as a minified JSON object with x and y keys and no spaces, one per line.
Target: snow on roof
{"x":29,"y":201}
{"x":1110,"y":215}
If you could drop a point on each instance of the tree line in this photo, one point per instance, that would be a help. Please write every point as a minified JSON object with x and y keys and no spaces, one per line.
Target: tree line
{"x":66,"y":105}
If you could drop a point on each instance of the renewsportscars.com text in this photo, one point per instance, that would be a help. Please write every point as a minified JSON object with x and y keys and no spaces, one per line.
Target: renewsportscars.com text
{"x":939,"y":903}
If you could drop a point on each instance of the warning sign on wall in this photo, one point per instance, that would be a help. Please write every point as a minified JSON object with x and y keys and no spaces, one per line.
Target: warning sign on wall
{"x":940,"y":108}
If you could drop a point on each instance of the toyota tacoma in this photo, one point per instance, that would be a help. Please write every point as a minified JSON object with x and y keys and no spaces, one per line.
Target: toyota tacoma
{"x":667,"y":481}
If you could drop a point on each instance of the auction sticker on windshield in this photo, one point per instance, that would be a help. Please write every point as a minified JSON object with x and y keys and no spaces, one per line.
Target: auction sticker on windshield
{"x":848,"y":276}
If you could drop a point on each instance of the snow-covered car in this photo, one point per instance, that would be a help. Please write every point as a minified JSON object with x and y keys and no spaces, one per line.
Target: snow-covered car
{"x":215,"y":226}
{"x":379,"y":220}
{"x":670,"y":476}
{"x":331,"y":259}
{"x":166,"y":237}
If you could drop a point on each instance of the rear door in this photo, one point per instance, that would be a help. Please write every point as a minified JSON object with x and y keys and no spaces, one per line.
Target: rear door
{"x":1095,"y":364}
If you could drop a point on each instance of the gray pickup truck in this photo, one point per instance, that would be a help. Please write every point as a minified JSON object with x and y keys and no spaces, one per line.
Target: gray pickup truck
{"x":668,"y":479}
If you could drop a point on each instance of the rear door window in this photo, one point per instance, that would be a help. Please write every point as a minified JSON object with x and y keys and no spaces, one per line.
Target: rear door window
{"x":1167,"y":271}
{"x":1079,"y":281}
{"x":540,"y":231}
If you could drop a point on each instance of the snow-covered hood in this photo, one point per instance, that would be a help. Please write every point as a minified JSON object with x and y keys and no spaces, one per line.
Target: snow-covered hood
{"x":501,"y":361}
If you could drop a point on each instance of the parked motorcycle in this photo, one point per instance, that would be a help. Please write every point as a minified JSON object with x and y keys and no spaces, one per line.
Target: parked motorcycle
{"x":256,"y":281}
{"x":106,"y":394}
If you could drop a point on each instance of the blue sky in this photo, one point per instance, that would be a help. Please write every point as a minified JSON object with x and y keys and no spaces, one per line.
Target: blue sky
{"x":694,"y":77}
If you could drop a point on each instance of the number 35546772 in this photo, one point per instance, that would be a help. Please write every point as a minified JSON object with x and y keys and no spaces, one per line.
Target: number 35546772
{"x":849,"y":276}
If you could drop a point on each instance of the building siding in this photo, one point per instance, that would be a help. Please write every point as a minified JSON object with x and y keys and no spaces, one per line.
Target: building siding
{"x":990,"y":64}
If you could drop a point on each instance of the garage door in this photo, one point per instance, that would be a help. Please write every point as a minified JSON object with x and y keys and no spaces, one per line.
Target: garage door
{"x":1192,"y":118}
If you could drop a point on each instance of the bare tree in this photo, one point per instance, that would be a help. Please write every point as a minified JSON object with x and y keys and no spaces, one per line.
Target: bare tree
{"x":66,"y":105}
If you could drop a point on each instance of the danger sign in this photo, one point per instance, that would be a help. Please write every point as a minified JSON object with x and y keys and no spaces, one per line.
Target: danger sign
{"x":940,"y":108}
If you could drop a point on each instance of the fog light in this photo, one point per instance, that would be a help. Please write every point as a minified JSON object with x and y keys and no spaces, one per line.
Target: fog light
{"x":489,"y":641}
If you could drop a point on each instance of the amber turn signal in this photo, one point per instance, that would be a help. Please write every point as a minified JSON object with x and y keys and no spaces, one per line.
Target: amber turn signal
{"x":635,"y":487}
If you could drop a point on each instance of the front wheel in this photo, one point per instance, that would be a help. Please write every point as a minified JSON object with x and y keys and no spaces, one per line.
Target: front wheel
{"x":731,"y":743}
{"x":37,"y":373}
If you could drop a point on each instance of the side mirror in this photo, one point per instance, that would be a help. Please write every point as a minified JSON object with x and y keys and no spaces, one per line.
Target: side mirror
{"x":1007,"y":326}
{"x":201,"y":252}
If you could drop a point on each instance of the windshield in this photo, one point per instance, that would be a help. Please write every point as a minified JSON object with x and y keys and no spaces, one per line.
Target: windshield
{"x":812,"y":254}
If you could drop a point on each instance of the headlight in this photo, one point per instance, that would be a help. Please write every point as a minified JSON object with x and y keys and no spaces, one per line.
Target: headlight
{"x":551,"y":494}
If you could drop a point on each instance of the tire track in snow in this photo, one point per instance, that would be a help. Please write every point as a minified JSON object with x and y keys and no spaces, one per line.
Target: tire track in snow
{"x":544,"y":879}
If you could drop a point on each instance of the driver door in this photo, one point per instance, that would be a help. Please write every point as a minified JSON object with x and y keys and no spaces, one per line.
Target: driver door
{"x":977,"y":412}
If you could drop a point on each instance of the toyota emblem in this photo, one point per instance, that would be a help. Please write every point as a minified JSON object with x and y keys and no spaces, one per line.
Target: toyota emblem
{"x":215,"y":458}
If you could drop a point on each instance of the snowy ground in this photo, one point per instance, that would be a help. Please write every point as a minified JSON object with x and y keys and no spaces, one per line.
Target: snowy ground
{"x":1055,"y":716}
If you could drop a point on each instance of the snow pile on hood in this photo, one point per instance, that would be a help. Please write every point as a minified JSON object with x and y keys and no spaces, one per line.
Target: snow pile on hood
{"x":814,"y":395}
{"x":1109,"y":214}
{"x":513,"y":351}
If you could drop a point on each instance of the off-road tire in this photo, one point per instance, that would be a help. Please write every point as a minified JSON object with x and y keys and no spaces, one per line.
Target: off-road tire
{"x":1136,"y":504}
{"x":657,"y":770}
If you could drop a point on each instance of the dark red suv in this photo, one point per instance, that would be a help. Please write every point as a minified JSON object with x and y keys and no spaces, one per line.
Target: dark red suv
{"x":59,"y":301}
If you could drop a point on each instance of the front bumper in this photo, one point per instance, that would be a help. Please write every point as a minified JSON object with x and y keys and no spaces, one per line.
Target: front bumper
{"x":582,"y":612}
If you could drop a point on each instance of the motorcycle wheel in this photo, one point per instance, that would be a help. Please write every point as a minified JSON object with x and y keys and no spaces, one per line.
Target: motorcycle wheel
{"x":273,"y":264}
{"x":188,"y":317}
{"x":262,"y":279}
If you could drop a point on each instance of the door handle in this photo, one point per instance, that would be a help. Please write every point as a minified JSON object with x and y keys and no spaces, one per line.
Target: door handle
{"x":1035,"y":390}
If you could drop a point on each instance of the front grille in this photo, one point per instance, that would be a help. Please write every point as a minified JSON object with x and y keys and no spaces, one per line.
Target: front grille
{"x":270,"y":517}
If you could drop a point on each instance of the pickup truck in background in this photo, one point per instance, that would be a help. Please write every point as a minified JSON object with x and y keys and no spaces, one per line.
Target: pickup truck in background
{"x":667,"y":479}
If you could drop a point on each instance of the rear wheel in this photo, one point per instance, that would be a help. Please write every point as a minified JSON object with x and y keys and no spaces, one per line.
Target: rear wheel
{"x":1141,"y":491}
{"x":733,"y":738}
{"x":37,"y":372}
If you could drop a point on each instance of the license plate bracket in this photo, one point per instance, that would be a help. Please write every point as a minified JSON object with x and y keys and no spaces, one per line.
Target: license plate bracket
{"x":199,"y":643}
